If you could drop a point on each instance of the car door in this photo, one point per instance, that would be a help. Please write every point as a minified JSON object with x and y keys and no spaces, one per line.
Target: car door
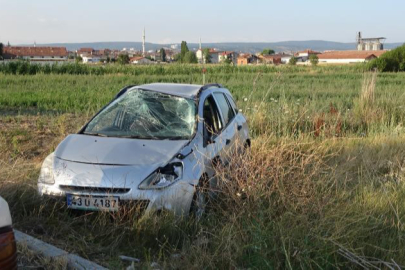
{"x":229,"y":132}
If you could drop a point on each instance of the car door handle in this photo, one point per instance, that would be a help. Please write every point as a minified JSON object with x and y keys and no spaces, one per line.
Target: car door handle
{"x":239,"y":127}
{"x":228,"y":141}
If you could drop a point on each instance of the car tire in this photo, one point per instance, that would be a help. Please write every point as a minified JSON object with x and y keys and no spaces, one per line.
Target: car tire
{"x":199,"y":204}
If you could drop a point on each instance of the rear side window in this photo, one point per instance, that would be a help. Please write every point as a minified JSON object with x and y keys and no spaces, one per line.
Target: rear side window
{"x":225,"y":108}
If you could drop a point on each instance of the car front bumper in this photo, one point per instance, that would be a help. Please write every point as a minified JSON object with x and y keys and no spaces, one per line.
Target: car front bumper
{"x":175,"y":198}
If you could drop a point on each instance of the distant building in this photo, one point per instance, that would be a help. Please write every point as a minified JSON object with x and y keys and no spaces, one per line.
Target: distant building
{"x":303,"y":56}
{"x":36,"y":54}
{"x":140,"y":60}
{"x":246,"y":59}
{"x":370,"y":44}
{"x":223,"y":56}
{"x":276,"y":59}
{"x":103,"y":52}
{"x":270,"y":59}
{"x":214,"y":56}
{"x":348,"y":57}
{"x":85,"y":51}
{"x":200,"y":55}
{"x":90,"y":59}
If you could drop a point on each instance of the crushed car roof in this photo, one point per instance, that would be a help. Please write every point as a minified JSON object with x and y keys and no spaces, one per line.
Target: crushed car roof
{"x":183,"y":90}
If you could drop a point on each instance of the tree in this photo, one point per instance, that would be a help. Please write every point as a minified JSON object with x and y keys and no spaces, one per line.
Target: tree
{"x":78,"y":59}
{"x":123,"y":59}
{"x":293,"y":61}
{"x":184,"y":50}
{"x":162,"y":55}
{"x":391,"y":61}
{"x":268,"y":51}
{"x":1,"y":50}
{"x":227,"y":61}
{"x":206,"y":55}
{"x":177,"y":57}
{"x":190,"y":58}
{"x":314,"y":59}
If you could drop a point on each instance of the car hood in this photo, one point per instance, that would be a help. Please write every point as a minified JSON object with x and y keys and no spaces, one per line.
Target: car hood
{"x":117,"y":151}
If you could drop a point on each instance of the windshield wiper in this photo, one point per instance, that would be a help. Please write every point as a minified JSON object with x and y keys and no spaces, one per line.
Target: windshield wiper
{"x":95,"y":134}
{"x":139,"y":137}
{"x":175,"y":138}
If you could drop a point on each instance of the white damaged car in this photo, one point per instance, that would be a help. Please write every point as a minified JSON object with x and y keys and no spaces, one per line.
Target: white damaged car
{"x":152,"y":146}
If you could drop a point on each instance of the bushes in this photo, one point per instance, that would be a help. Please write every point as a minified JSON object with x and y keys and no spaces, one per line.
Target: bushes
{"x":391,"y":61}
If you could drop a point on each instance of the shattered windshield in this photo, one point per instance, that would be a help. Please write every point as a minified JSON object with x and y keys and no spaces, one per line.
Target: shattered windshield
{"x":146,"y":115}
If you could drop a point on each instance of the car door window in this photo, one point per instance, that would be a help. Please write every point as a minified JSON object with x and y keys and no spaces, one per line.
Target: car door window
{"x":213,"y":123}
{"x":227,"y":111}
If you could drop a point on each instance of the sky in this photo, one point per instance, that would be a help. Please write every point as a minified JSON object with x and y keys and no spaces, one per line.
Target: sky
{"x":56,"y":21}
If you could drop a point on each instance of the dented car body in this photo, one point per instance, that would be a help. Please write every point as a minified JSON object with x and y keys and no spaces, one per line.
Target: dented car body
{"x":152,"y":145}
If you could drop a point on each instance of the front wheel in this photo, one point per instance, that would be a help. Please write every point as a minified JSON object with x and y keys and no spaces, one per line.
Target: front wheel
{"x":200,"y":199}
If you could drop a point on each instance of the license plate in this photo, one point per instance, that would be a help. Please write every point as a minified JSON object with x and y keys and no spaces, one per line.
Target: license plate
{"x":100,"y":203}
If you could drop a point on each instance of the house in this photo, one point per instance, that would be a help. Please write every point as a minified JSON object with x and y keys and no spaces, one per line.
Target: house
{"x":348,"y":57}
{"x":272,"y":59}
{"x":200,"y":55}
{"x":303,"y":56}
{"x":223,"y":56}
{"x":285,"y":58}
{"x":85,"y":51}
{"x":102,"y":52}
{"x":169,"y":55}
{"x":246,"y":59}
{"x":140,"y":60}
{"x":276,"y":59}
{"x":90,"y":59}
{"x":214,"y":56}
{"x":36,"y":54}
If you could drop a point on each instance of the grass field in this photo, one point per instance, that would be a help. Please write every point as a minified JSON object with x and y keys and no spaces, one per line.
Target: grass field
{"x":323,"y":186}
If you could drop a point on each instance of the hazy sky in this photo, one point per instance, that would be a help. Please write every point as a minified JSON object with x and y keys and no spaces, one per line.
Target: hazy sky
{"x":46,"y":21}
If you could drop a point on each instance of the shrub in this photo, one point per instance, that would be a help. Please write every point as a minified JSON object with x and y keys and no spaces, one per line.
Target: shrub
{"x":391,"y":61}
{"x":293,"y":61}
{"x":313,"y":58}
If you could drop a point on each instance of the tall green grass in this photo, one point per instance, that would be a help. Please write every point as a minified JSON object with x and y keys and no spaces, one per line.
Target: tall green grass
{"x":293,"y":100}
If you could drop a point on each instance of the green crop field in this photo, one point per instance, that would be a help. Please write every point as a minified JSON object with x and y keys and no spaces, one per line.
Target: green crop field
{"x":322,"y":187}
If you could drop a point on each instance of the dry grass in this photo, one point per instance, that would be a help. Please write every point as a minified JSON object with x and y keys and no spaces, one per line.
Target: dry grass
{"x":286,"y":204}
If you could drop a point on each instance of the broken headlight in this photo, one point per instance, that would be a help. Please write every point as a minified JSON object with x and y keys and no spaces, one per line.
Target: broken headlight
{"x":46,"y":174}
{"x":163,"y":177}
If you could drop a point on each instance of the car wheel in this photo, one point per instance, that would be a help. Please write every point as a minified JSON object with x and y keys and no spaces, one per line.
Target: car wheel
{"x":200,"y":199}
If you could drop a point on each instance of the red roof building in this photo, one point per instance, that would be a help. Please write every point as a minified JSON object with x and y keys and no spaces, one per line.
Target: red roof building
{"x":36,"y":53}
{"x":346,"y":57}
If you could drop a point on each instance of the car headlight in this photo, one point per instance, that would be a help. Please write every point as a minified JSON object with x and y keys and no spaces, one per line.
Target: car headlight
{"x":163,"y":177}
{"x":46,"y":174}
